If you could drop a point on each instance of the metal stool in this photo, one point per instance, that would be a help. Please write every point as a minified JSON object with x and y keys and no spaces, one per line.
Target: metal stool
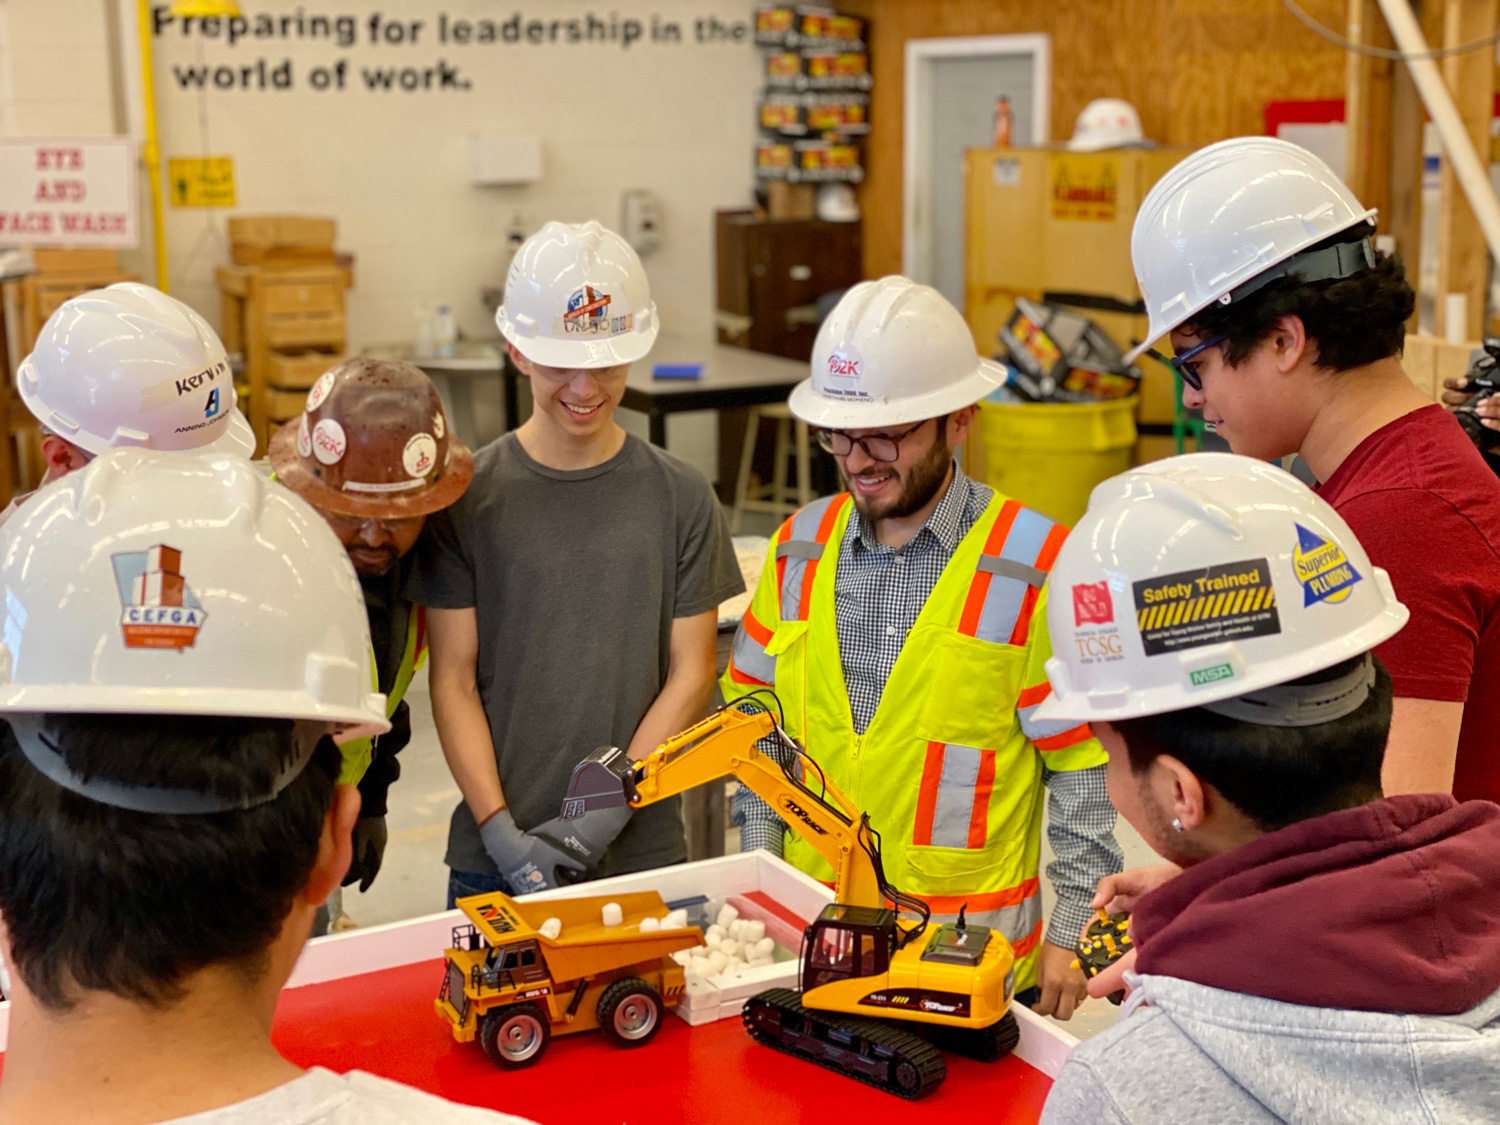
{"x":777,"y":497}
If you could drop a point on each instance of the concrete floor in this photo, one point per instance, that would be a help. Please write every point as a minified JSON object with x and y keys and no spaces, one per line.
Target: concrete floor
{"x":414,"y":880}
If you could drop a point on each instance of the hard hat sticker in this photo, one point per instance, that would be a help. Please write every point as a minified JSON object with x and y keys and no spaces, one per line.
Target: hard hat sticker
{"x":439,"y":427}
{"x":840,"y":377}
{"x":1325,"y":572}
{"x":304,"y":437}
{"x":328,"y":442}
{"x":160,"y":610}
{"x":319,"y":392}
{"x":588,"y":315}
{"x":1206,"y":606}
{"x":1095,"y":634}
{"x":170,"y":390}
{"x":420,"y":455}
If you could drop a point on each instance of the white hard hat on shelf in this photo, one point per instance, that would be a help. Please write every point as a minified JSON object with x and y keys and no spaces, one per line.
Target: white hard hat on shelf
{"x":577,"y":296}
{"x":130,"y":366}
{"x":837,"y":203}
{"x":1204,"y":578}
{"x":892,"y":352}
{"x":1106,"y":123}
{"x":1235,"y":216}
{"x":181,"y":584}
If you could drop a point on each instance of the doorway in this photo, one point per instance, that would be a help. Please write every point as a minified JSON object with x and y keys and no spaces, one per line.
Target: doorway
{"x":952,"y":90}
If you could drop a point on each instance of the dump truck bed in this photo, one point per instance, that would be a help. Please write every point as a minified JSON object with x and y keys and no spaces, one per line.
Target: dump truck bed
{"x":585,"y":947}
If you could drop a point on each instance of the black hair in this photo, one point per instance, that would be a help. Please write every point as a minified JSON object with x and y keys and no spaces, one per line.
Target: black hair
{"x":1275,"y":775}
{"x":1351,"y":321}
{"x":97,"y":898}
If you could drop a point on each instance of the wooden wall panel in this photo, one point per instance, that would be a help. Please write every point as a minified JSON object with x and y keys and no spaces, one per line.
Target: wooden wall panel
{"x":1197,"y":70}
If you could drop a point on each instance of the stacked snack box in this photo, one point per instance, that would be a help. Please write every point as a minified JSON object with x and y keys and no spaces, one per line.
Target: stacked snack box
{"x":816,"y":104}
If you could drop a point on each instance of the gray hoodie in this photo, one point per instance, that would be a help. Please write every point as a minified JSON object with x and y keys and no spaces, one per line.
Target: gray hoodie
{"x":1188,"y":1054}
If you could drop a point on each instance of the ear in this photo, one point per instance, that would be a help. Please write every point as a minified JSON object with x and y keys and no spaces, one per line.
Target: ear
{"x":61,"y":456}
{"x":335,"y":847}
{"x":523,"y":365}
{"x":1290,"y":344}
{"x":1179,"y":790}
{"x":960,"y":423}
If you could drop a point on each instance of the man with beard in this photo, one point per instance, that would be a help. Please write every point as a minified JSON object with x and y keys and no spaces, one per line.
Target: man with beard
{"x":902,"y":625}
{"x":374,"y":454}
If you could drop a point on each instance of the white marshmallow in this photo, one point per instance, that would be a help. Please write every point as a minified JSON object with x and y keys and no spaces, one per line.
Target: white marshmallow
{"x":551,"y":927}
{"x":612,"y":914}
{"x":701,"y":968}
{"x":716,"y":932}
{"x":713,"y":942}
{"x":729,"y":947}
{"x":760,"y":962}
{"x":718,"y":961}
{"x":733,"y":965}
{"x":737,"y":928}
{"x":754,"y":932}
{"x":698,"y":951}
{"x":727,"y":915}
{"x":683,"y":957}
{"x":650,"y":925}
{"x":679,"y":917}
{"x":765,"y":947}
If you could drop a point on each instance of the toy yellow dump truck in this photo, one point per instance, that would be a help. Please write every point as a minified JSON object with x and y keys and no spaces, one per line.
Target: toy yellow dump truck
{"x":512,"y":985}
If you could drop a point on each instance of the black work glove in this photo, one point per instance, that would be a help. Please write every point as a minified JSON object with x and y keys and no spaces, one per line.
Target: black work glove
{"x":369,"y":851}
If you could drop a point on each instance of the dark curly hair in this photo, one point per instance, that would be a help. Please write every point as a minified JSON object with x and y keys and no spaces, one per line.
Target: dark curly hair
{"x":1350,"y":321}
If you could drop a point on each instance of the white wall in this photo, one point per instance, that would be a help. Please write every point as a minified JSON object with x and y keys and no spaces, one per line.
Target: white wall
{"x":54,"y":69}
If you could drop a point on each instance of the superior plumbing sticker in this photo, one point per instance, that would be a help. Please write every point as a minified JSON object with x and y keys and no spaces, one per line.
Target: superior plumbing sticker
{"x":1205,"y":607}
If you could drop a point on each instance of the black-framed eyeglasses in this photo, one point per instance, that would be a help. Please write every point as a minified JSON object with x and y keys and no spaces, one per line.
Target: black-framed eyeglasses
{"x":1186,"y":364}
{"x":884,"y":448}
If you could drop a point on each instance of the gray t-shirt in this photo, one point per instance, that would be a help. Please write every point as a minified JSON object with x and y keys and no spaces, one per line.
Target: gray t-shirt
{"x":576,"y":577}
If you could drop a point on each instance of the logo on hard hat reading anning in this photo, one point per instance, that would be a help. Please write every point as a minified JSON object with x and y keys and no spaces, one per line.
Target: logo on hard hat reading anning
{"x":1322,"y":568}
{"x":588,"y":315}
{"x":159,"y":609}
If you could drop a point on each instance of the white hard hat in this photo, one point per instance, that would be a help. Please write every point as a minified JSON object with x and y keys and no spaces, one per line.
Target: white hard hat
{"x":837,"y":203}
{"x":1213,"y":228}
{"x":131,"y":366}
{"x":1106,"y":123}
{"x":577,"y":296}
{"x":892,"y":351}
{"x":1202,"y":578}
{"x":181,"y":584}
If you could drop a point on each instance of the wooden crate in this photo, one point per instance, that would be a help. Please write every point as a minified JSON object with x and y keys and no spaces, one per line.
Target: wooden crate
{"x":286,"y":231}
{"x":74,"y":261}
{"x":298,"y":371}
{"x":283,"y":406}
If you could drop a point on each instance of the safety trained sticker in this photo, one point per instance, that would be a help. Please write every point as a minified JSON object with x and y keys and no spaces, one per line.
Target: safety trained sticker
{"x":1206,"y":607}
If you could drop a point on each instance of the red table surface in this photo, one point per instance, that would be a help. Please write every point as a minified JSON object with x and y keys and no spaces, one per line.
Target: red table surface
{"x":384,"y":1023}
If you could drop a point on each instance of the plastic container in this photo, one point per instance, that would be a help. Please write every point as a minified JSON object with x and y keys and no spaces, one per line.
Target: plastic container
{"x":444,"y":333}
{"x":1050,"y":455}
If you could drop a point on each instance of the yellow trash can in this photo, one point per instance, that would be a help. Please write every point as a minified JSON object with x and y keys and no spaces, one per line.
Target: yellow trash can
{"x":1050,"y":455}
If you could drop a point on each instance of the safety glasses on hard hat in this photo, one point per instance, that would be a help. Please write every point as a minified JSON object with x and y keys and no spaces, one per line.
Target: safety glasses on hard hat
{"x":884,"y":448}
{"x":1186,"y":364}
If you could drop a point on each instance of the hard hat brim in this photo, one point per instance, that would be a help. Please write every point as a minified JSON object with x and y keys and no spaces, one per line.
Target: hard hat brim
{"x":819,"y":410}
{"x":291,"y":470}
{"x":611,"y":351}
{"x":247,"y":703}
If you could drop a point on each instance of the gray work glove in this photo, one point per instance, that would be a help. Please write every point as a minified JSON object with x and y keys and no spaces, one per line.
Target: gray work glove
{"x":586,"y":836}
{"x":369,"y":851}
{"x":525,"y":862}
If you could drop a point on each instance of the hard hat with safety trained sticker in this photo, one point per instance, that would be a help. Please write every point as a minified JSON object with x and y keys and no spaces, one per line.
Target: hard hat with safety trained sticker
{"x":181,"y":584}
{"x":1106,"y":123}
{"x":577,"y":297}
{"x":373,"y":441}
{"x":1203,"y":578}
{"x":892,"y":352}
{"x":130,"y":366}
{"x":1234,"y":217}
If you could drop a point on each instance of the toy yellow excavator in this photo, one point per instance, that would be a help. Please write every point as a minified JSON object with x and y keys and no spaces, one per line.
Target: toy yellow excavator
{"x":878,"y":990}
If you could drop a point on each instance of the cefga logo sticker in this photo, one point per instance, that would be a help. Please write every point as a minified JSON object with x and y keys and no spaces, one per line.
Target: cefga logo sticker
{"x":159,"y":609}
{"x":1324,"y":571}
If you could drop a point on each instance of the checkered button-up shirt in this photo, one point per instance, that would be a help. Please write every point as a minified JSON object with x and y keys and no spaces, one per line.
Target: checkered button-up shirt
{"x":878,"y":593}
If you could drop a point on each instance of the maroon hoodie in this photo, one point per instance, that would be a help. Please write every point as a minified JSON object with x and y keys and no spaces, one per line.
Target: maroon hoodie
{"x":1393,"y":907}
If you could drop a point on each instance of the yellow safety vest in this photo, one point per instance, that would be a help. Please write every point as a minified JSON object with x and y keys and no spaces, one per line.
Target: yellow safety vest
{"x":360,"y":752}
{"x":950,"y":768}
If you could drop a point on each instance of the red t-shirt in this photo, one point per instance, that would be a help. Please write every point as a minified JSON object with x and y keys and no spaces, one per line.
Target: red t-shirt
{"x":1426,"y":507}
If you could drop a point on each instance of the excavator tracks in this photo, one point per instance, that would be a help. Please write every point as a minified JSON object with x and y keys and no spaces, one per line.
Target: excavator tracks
{"x":985,"y":1044}
{"x":874,"y":1052}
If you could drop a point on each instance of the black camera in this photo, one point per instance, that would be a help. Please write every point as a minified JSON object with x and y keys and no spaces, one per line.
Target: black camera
{"x":1483,"y":380}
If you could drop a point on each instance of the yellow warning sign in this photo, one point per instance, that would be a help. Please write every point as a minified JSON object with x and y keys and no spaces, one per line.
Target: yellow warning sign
{"x":201,"y":181}
{"x":1085,"y":187}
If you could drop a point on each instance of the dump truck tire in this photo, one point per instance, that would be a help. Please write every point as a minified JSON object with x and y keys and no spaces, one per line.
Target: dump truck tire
{"x":630,"y":1012}
{"x":516,"y":1036}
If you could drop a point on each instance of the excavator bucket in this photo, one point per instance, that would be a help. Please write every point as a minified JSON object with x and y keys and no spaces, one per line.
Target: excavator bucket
{"x":603,"y":780}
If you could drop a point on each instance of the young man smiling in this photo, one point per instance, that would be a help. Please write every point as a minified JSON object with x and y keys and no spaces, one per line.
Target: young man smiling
{"x":1288,"y":328}
{"x":573,"y":591}
{"x":902,"y":626}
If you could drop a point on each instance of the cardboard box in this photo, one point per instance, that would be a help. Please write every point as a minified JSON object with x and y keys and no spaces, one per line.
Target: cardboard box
{"x":791,"y":201}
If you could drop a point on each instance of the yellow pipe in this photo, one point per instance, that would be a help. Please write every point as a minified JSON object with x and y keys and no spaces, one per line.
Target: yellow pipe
{"x":152,"y":153}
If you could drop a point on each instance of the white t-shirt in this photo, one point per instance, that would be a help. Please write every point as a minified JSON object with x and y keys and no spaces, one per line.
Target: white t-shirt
{"x":321,"y":1097}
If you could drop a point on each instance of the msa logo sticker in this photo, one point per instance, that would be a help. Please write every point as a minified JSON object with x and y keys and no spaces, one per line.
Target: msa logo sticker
{"x":800,"y":813}
{"x":588,"y":315}
{"x":1325,"y":573}
{"x":1206,"y":607}
{"x":1092,"y":604}
{"x":159,"y":610}
{"x":1211,"y":675}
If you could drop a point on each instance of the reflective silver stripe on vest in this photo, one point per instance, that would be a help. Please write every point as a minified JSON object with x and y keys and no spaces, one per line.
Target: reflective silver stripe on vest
{"x":750,"y":658}
{"x":1014,"y":572}
{"x":1015,"y":922}
{"x":1037,"y":731}
{"x":798,"y":550}
{"x":954,"y":807}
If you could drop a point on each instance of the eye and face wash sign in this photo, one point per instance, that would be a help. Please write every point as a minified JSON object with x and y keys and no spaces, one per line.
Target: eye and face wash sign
{"x":76,"y":192}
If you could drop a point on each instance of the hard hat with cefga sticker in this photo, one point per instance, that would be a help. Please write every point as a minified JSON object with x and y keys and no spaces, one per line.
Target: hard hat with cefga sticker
{"x":1203,"y":578}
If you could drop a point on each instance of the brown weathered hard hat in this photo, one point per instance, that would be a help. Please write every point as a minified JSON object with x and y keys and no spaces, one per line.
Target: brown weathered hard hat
{"x":373,"y":441}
